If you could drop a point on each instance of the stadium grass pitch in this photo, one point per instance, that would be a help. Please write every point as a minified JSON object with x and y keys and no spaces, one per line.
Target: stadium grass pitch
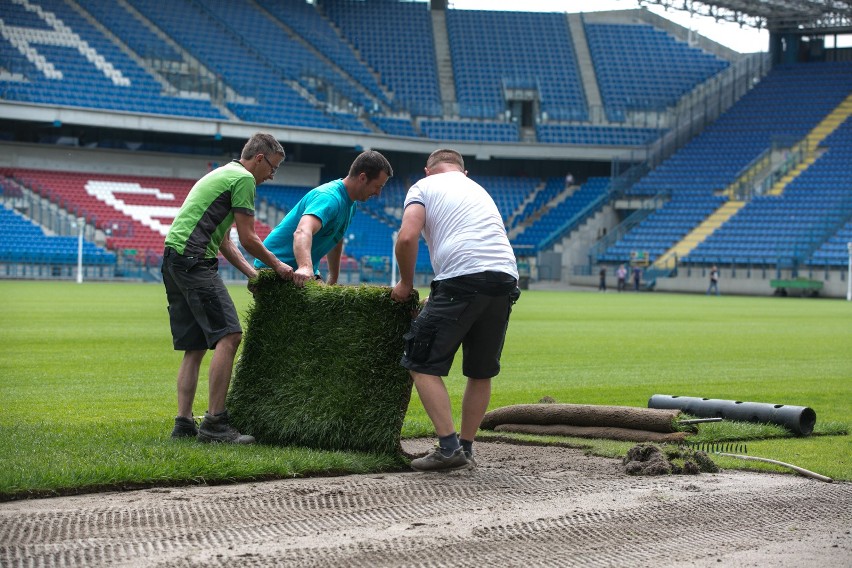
{"x":87,"y":380}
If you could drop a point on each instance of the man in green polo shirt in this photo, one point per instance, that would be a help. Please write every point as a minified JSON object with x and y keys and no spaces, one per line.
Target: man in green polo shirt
{"x":201,"y":313}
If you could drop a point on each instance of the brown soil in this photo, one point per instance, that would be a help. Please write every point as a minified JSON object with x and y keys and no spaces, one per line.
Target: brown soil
{"x":522,"y":506}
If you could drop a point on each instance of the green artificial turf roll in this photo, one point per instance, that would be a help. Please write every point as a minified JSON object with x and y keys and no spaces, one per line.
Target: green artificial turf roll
{"x":320,"y":367}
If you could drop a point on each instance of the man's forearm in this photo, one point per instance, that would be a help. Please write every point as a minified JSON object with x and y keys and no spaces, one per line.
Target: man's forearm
{"x":256,"y":249}
{"x":333,"y":258}
{"x":233,"y":255}
{"x":302,"y":241}
{"x":406,"y":258}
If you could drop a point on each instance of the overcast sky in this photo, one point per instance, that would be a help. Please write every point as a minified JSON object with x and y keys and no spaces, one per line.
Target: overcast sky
{"x":743,"y":40}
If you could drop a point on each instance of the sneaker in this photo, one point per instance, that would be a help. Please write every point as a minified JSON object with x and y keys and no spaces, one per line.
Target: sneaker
{"x":184,"y":428}
{"x":470,"y":458}
{"x":436,"y":461}
{"x":215,"y":428}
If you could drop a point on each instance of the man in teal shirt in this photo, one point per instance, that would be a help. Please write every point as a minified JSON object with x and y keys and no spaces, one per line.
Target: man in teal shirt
{"x":202,"y":315}
{"x":315,"y":227}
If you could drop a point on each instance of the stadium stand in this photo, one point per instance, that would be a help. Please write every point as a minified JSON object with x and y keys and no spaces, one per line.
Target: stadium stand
{"x":508,"y":192}
{"x":475,"y":131}
{"x":286,"y":56}
{"x":549,"y":133}
{"x":836,"y":174}
{"x":492,"y":51}
{"x":142,"y":40}
{"x":395,"y":126}
{"x":72,"y":63}
{"x":133,"y":212}
{"x":662,"y":228}
{"x":331,"y":65}
{"x":786,"y":105}
{"x":552,"y":188}
{"x":22,"y":241}
{"x":553,"y":219}
{"x":283,"y":197}
{"x":405,"y":59}
{"x":304,"y":19}
{"x":788,"y":228}
{"x":642,"y":68}
{"x":291,"y":63}
{"x":244,"y":60}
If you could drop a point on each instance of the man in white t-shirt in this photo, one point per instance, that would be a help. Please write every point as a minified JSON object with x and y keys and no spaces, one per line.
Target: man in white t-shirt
{"x":475,"y":286}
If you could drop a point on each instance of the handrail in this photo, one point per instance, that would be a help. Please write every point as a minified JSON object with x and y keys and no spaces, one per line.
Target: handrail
{"x":574,"y":221}
{"x":745,"y":188}
{"x":628,"y":224}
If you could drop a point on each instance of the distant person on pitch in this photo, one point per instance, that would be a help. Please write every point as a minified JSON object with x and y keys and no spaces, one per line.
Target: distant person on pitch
{"x":714,"y":280}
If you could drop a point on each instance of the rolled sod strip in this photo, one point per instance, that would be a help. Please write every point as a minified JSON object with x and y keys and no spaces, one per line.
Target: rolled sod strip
{"x":605,"y":432}
{"x":320,"y":367}
{"x":586,"y":415}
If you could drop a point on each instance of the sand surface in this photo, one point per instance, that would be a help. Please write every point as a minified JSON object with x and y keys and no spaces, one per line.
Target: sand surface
{"x":522,"y":506}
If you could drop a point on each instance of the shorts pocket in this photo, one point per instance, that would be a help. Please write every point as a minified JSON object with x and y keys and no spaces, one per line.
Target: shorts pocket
{"x":212,"y":306}
{"x":183,"y":263}
{"x":447,"y":308}
{"x":418,"y":344}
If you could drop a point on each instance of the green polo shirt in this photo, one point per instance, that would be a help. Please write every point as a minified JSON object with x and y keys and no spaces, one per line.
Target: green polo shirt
{"x":208,"y":212}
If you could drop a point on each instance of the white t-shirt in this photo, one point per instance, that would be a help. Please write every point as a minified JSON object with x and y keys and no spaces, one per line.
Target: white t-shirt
{"x":464,"y":229}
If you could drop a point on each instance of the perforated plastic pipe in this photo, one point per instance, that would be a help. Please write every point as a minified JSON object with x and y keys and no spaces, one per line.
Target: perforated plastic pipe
{"x":798,"y":419}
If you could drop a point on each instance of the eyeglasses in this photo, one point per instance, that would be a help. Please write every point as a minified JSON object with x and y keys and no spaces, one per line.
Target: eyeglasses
{"x":274,"y":168}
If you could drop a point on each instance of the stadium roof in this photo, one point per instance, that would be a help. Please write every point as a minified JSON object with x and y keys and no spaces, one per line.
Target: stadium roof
{"x":820,"y":17}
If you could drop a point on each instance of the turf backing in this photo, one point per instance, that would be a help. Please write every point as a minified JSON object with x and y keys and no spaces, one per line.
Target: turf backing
{"x":320,"y":367}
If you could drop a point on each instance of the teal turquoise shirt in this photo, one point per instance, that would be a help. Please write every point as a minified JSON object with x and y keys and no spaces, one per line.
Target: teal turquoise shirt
{"x":330,"y":203}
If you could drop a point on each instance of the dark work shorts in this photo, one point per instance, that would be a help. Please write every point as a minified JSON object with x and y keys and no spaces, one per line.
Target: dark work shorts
{"x":201,"y":311}
{"x":471,"y":312}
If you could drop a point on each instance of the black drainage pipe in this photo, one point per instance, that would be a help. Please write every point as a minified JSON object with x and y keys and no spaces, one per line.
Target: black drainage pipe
{"x":798,"y":419}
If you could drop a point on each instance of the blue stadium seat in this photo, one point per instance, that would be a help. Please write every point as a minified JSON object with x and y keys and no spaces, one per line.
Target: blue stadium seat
{"x":642,"y":68}
{"x":788,"y":103}
{"x":495,"y":50}
{"x":23,"y":241}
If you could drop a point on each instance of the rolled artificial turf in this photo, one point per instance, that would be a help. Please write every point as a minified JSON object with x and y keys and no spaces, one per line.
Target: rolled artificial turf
{"x":320,"y":367}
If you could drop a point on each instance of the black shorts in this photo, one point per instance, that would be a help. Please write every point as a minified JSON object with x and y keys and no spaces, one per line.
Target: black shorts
{"x":201,"y":311}
{"x":469,"y":311}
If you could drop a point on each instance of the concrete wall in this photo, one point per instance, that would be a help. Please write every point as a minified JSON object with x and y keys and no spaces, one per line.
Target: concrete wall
{"x":575,"y":247}
{"x":739,"y":281}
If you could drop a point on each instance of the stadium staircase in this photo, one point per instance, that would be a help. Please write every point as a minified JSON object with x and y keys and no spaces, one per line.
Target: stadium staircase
{"x":835,"y":250}
{"x":571,"y":208}
{"x":812,"y":141}
{"x":585,"y":66}
{"x":446,"y":80}
{"x":668,"y":261}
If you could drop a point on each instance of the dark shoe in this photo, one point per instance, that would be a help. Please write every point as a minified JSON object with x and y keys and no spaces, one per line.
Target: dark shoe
{"x":184,"y":428}
{"x":436,"y":461}
{"x":471,"y":460}
{"x":215,"y":428}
